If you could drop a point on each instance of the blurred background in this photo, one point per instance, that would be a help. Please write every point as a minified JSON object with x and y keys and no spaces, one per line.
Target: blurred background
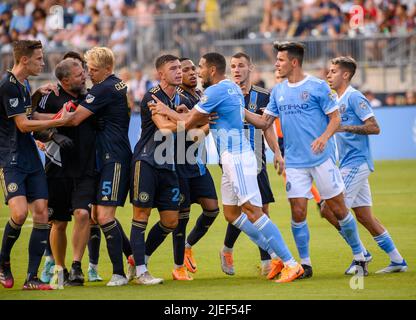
{"x":379,"y":34}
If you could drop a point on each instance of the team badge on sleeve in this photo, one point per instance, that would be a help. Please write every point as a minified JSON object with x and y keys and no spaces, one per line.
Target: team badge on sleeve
{"x":14,"y":102}
{"x":363,"y":105}
{"x":90,"y":98}
{"x":204,"y":99}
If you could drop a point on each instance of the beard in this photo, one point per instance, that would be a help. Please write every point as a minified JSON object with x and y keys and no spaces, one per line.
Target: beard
{"x":207,"y":84}
{"x":80,"y":90}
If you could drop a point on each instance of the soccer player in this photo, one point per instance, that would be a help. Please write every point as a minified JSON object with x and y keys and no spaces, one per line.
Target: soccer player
{"x":154,"y":181}
{"x":195,"y":180}
{"x":72,"y":176}
{"x":21,"y":172}
{"x":255,"y":100}
{"x":107,"y":99}
{"x":355,"y":160}
{"x":239,"y":188}
{"x":309,"y":117}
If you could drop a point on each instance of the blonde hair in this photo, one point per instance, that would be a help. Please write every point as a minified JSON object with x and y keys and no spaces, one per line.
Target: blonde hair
{"x":102,"y":57}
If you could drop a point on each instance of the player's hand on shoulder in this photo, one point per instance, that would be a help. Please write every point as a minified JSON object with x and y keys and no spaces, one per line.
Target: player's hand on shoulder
{"x":47,"y":88}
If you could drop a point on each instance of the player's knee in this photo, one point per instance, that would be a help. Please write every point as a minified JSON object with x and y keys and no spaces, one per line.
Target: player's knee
{"x":141,"y":214}
{"x":59,"y":226}
{"x":82,"y":216}
{"x":298,"y":213}
{"x":169,"y":222}
{"x":19,"y":217}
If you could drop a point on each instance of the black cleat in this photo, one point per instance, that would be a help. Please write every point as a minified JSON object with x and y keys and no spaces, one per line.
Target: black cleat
{"x":76,"y":277}
{"x":361,"y":268}
{"x":6,"y":277}
{"x":307,"y":272}
{"x":35,"y":284}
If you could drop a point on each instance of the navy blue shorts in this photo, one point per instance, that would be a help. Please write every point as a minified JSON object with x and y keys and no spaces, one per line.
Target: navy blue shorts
{"x":15,"y":183}
{"x":68,"y":194}
{"x":151,"y":187}
{"x":264,"y":186}
{"x":113,"y":184}
{"x":192,"y":189}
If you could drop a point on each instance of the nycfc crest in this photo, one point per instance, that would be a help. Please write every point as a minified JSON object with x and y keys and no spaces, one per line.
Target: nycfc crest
{"x":305,"y":95}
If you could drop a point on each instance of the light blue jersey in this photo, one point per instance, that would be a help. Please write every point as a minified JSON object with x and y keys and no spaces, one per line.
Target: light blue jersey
{"x":226,"y":99}
{"x":354,"y":149}
{"x":302,"y":108}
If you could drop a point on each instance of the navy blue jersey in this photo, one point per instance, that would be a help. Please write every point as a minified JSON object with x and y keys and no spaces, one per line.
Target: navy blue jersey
{"x":146,"y":148}
{"x":79,"y":160}
{"x":108,"y":101}
{"x":17,"y":149}
{"x":197,"y":166}
{"x":256,"y":101}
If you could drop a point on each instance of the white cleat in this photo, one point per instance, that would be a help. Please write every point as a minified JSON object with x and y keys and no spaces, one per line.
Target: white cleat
{"x":131,"y":268}
{"x":394,"y":267}
{"x":117,"y":280}
{"x":147,"y":279}
{"x":57,"y":280}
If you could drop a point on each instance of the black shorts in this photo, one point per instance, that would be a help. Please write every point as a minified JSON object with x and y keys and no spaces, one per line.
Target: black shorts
{"x":69,"y":194}
{"x":15,"y":182}
{"x":192,"y":189}
{"x":264,"y":186}
{"x":154,"y":188}
{"x":113,"y":184}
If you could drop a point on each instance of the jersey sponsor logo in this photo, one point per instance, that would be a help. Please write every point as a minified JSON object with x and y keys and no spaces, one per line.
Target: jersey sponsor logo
{"x":305,"y":95}
{"x":12,"y":187}
{"x":90,"y":98}
{"x":14,"y":102}
{"x":363,"y":105}
{"x":144,"y":197}
{"x":288,"y":186}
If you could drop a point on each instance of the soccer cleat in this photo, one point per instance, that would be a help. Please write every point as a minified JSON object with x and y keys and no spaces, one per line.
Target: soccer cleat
{"x":93,"y":275}
{"x":147,"y":279}
{"x":47,"y":271}
{"x":307,"y":271}
{"x":131,"y":268}
{"x":266,"y":267}
{"x":181,"y":274}
{"x":189,"y":260}
{"x":76,"y":277}
{"x":58,"y":278}
{"x":351,"y":269}
{"x":6,"y":276}
{"x":361,"y":268}
{"x":36,"y":284}
{"x":117,"y":280}
{"x":289,"y":274}
{"x":276,"y":267}
{"x":394,"y":267}
{"x":227,"y":263}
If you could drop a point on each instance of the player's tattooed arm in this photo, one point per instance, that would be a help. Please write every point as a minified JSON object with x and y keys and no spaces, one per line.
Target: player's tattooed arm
{"x":370,"y":126}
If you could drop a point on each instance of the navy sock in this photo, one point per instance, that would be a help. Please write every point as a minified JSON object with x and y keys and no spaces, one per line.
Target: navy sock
{"x":37,"y":245}
{"x":231,"y":235}
{"x":156,"y":236}
{"x":126,"y":242}
{"x":178,"y":237}
{"x":48,"y":250}
{"x":137,"y":242}
{"x":205,"y":220}
{"x":264,"y":255}
{"x":94,"y":244}
{"x":11,"y":234}
{"x":114,"y":246}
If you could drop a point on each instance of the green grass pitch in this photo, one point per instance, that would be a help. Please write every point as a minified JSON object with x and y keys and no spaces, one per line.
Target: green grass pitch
{"x":394,"y":195}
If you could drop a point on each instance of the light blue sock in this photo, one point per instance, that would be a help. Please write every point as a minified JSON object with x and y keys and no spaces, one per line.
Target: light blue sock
{"x":385,"y":242}
{"x":274,"y":237}
{"x":350,"y":232}
{"x":248,"y":228}
{"x":300,"y":232}
{"x":365,"y":252}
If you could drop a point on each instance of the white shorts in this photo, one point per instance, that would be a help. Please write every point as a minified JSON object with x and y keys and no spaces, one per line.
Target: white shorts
{"x":326,"y":176}
{"x":239,"y":179}
{"x":357,"y":188}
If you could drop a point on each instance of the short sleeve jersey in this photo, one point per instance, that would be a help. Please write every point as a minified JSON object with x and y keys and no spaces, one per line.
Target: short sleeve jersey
{"x":354,"y":149}
{"x":79,"y":160}
{"x":226,"y":99}
{"x":303,"y":109}
{"x":17,"y":149}
{"x":108,"y":101}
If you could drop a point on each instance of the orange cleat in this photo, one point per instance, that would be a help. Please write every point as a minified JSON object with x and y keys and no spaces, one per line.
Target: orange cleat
{"x":181,"y":274}
{"x":289,"y":274}
{"x":276,"y":267}
{"x":189,"y":260}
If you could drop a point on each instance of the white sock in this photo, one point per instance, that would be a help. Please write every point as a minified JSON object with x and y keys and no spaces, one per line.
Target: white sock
{"x":395,"y":256}
{"x":140,"y":270}
{"x":93,"y":266}
{"x":49,"y":258}
{"x":359,"y":257}
{"x":226,"y":249}
{"x":265,"y":262}
{"x":146,"y":259}
{"x":178,"y":266}
{"x":290,"y":263}
{"x":306,"y":261}
{"x":188,"y":246}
